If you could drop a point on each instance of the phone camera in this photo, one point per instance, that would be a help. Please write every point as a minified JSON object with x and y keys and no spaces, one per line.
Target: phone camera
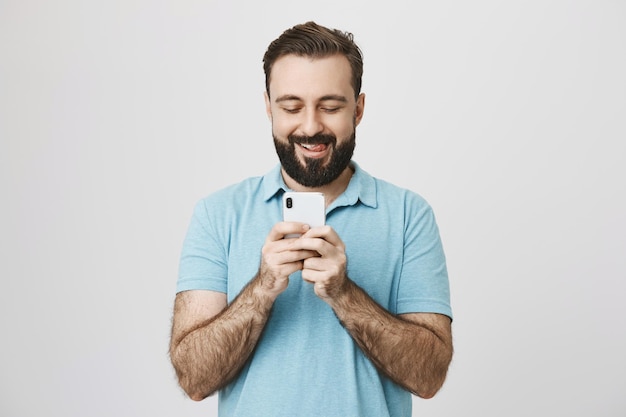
{"x":289,"y":202}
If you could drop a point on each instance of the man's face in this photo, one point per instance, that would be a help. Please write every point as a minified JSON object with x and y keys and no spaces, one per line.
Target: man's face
{"x":314,"y":115}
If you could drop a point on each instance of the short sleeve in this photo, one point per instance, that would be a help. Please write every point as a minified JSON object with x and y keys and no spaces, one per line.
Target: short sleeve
{"x":203,"y":261}
{"x":424,"y":285}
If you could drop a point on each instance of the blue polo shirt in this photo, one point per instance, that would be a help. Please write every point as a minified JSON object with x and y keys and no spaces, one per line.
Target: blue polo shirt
{"x":305,"y":363}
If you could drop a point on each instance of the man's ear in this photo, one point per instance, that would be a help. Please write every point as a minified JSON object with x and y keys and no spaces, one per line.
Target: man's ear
{"x":268,"y":107}
{"x":360,"y":108}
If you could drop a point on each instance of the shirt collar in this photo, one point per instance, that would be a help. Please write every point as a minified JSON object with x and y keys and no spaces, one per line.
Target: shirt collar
{"x":362,"y":187}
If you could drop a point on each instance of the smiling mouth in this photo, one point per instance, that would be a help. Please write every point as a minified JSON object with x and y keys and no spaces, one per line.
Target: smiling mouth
{"x":314,"y":147}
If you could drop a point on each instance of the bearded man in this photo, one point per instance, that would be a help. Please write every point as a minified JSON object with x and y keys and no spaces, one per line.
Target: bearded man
{"x":348,"y":319}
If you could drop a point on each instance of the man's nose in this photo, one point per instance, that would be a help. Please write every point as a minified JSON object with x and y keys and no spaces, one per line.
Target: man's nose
{"x":311,"y":124}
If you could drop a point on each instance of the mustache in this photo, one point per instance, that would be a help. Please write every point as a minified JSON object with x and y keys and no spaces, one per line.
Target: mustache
{"x":310,"y":140}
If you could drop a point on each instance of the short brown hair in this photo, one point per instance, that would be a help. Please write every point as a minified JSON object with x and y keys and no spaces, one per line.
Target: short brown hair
{"x":315,"y":41}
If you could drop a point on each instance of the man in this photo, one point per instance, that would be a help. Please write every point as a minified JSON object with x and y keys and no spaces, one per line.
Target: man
{"x":348,"y":319}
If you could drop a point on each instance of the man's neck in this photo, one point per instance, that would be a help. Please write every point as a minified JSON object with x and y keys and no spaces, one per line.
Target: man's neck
{"x":331,"y":191}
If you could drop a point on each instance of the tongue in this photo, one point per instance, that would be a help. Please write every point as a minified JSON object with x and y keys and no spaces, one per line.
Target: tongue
{"x":316,"y":148}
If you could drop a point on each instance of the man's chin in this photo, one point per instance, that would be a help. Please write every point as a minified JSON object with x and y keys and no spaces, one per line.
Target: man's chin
{"x":308,"y":164}
{"x":308,"y":176}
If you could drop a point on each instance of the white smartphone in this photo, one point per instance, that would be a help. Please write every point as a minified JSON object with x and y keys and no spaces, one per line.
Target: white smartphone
{"x":304,"y":207}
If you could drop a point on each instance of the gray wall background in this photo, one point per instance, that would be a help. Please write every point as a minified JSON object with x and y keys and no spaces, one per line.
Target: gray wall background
{"x":508,"y":117}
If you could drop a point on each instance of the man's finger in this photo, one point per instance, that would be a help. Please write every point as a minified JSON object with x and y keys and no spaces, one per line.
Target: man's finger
{"x":281,"y":229}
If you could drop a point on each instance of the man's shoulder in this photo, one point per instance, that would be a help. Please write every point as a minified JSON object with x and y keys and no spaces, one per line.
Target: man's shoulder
{"x":381,"y":194}
{"x":234,"y":193}
{"x":387,"y":189}
{"x":248,"y":185}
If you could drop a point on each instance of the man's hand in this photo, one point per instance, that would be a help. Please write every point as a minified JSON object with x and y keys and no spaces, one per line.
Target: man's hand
{"x":327,"y":269}
{"x":281,"y":257}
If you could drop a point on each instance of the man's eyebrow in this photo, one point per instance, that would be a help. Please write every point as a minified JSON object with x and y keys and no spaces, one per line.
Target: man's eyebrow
{"x":334,"y":97}
{"x":329,"y":97}
{"x":288,"y":97}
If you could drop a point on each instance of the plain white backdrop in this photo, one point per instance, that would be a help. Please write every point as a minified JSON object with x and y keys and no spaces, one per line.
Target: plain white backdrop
{"x":508,"y":117}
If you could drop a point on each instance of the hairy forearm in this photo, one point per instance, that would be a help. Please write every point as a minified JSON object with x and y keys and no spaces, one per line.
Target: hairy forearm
{"x":414,"y":355}
{"x":209,"y":355}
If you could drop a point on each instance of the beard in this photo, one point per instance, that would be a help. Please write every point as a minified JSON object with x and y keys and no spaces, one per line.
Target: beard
{"x":315,"y":172}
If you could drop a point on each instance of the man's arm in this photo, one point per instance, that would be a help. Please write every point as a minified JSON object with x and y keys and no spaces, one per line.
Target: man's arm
{"x":211,"y":340}
{"x":414,"y":350}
